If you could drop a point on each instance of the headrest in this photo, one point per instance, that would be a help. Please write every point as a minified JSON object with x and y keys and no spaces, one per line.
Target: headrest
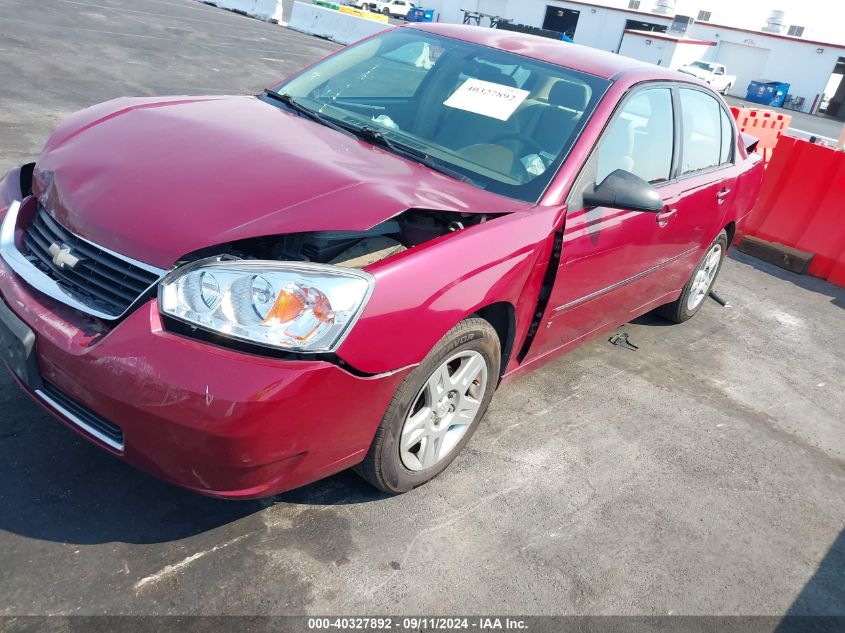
{"x":486,"y":72}
{"x":569,"y":94}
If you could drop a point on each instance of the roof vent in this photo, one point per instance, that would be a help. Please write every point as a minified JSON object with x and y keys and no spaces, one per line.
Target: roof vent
{"x":796,"y":31}
{"x":774,"y":23}
{"x":704,"y":16}
{"x":664,"y":7}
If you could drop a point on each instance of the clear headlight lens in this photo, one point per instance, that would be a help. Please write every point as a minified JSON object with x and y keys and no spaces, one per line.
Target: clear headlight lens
{"x":287,"y":305}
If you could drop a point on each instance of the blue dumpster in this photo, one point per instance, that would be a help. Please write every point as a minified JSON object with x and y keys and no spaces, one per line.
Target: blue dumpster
{"x":429,"y":15}
{"x":770,"y":93}
{"x":416,"y":15}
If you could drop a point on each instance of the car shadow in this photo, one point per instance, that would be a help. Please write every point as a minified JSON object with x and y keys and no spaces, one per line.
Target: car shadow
{"x":57,"y":486}
{"x":345,"y":488}
{"x":813,"y":284}
{"x":651,"y":319}
{"x":820,"y":606}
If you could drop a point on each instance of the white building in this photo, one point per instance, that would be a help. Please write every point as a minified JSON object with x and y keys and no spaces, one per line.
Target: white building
{"x":812,"y":68}
{"x":663,"y":49}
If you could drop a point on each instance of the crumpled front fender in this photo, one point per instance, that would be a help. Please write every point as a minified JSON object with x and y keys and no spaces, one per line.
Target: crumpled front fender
{"x":422,"y":293}
{"x":16,"y":185}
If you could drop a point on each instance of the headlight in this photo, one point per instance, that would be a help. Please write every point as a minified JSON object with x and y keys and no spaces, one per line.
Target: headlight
{"x":286,"y":305}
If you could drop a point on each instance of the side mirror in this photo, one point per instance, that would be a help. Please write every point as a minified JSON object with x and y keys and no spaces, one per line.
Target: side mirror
{"x":623,"y":190}
{"x":749,"y":141}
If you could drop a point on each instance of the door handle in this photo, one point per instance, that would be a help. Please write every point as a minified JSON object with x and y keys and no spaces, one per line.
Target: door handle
{"x":664,"y":216}
{"x":722,"y":195}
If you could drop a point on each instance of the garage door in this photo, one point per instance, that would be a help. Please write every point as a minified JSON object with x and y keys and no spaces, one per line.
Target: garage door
{"x":746,"y":62}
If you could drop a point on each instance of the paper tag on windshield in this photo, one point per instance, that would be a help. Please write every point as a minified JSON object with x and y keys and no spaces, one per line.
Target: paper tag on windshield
{"x":486,"y":98}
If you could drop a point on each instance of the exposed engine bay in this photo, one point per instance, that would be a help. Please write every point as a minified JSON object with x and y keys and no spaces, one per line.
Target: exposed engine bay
{"x":357,"y":249}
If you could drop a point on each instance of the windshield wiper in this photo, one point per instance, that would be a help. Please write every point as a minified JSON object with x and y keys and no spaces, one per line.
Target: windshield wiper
{"x":371,"y":135}
{"x":377,"y":138}
{"x":306,"y":112}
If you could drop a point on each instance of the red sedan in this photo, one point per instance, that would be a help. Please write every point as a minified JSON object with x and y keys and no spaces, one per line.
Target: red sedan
{"x":244,"y":294}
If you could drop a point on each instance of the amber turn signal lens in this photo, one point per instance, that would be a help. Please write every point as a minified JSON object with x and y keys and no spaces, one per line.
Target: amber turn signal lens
{"x":287,"y":307}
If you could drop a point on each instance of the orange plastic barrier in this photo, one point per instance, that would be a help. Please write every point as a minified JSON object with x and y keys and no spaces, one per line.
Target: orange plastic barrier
{"x":767,"y":125}
{"x":802,"y":204}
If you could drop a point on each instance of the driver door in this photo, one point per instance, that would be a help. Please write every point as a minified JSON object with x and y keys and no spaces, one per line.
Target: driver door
{"x":610,"y":257}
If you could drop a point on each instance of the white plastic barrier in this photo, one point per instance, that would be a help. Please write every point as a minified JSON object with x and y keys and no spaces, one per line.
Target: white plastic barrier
{"x":331,"y":24}
{"x":262,"y":9}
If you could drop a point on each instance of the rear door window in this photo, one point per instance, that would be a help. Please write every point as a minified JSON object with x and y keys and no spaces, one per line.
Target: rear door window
{"x":702,"y":122}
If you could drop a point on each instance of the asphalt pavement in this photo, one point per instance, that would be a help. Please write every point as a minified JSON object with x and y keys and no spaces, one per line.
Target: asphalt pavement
{"x":702,"y":474}
{"x":802,"y":125}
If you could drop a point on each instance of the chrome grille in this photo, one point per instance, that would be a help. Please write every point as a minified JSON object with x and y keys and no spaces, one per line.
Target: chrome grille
{"x":82,"y":417}
{"x":96,"y":277}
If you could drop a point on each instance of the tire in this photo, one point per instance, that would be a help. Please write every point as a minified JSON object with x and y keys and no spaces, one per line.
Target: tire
{"x":391,"y":463}
{"x":386,"y":11}
{"x":700,"y":283}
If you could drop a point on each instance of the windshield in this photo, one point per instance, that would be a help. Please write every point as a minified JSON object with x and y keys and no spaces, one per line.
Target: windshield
{"x":702,"y":65}
{"x":504,"y":121}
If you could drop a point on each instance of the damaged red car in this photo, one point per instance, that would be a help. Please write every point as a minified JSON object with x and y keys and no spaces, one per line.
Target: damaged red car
{"x":245,"y":294}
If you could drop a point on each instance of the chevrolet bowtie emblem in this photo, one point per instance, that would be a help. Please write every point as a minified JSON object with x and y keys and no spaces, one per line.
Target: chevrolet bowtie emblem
{"x":63,"y":256}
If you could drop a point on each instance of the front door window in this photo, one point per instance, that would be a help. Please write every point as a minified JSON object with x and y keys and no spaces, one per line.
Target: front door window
{"x":640,"y":138}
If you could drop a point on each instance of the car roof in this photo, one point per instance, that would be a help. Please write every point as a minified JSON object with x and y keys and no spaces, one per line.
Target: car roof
{"x":589,"y":60}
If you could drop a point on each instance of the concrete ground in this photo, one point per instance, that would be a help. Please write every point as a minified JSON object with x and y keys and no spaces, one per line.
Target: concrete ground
{"x":702,"y":474}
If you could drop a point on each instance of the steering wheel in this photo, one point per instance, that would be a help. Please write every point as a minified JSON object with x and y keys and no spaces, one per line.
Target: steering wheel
{"x":527,"y":141}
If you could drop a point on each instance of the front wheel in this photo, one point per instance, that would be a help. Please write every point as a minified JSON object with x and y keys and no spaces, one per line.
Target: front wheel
{"x":386,"y":12}
{"x":436,"y":409}
{"x":700,"y":283}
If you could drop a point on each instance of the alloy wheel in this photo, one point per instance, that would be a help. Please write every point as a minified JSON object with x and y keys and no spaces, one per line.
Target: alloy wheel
{"x":443,"y":410}
{"x":704,"y":277}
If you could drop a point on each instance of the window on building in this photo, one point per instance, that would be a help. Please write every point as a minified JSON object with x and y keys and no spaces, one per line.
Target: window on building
{"x":796,"y":31}
{"x":634,"y":4}
{"x":704,"y":16}
{"x":640,"y":138}
{"x":645,"y":26}
{"x":561,"y":20}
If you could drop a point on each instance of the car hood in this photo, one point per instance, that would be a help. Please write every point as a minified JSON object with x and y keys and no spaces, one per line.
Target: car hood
{"x":155,"y":179}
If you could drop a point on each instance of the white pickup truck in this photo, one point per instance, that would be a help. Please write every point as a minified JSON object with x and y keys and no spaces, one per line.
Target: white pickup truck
{"x":390,"y":8}
{"x":714,"y":74}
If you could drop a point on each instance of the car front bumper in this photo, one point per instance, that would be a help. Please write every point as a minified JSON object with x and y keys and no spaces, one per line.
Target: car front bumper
{"x":213,"y":420}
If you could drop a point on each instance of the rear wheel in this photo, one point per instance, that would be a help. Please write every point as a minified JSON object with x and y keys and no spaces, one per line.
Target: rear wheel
{"x":700,"y":283}
{"x":436,"y":409}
